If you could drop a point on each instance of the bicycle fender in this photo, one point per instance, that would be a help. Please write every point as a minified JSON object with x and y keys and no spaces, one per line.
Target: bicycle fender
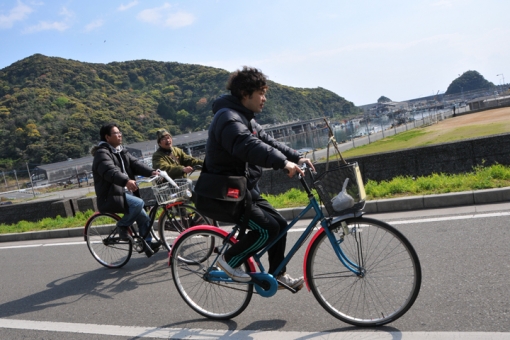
{"x":251,"y":263}
{"x":307,"y":253}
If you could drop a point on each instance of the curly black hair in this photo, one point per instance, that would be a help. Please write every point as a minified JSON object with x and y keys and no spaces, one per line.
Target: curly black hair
{"x":246,"y":81}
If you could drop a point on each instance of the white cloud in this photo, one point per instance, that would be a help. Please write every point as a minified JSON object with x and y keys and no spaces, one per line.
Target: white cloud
{"x":128,"y":6}
{"x":46,"y":26}
{"x":93,"y":25}
{"x":164,"y":16}
{"x":179,"y":19}
{"x":18,"y":13}
{"x":56,"y":25}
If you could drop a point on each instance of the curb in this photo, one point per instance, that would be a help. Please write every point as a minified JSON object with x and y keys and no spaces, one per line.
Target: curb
{"x":465,"y":198}
{"x":457,"y":199}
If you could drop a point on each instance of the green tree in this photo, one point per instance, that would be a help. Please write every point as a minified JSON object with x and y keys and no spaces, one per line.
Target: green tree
{"x":469,"y":80}
{"x":383,"y":99}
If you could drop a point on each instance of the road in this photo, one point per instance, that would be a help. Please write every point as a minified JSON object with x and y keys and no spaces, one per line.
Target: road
{"x":53,"y":289}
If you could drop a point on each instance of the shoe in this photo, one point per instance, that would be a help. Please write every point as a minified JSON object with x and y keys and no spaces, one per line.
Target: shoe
{"x":235,"y":273}
{"x":284,"y":278}
{"x":170,"y":226}
{"x":147,"y":249}
{"x":155,"y":246}
{"x":196,"y":220}
{"x":123,"y":233}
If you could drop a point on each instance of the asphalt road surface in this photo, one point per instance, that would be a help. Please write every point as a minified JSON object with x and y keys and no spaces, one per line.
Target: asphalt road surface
{"x":54,"y":289}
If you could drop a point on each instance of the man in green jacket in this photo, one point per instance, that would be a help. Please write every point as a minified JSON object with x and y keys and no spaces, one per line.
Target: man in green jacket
{"x":172,"y":159}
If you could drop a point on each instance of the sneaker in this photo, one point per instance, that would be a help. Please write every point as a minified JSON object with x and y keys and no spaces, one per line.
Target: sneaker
{"x":235,"y":273}
{"x":197,"y":220}
{"x":123,"y":233}
{"x":296,"y":284}
{"x":155,"y":246}
{"x":147,"y":249}
{"x":170,"y":226}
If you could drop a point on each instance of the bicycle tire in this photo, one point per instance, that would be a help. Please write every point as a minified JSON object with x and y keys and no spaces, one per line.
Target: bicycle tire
{"x":177,"y":219}
{"x":154,"y":228}
{"x":214,"y":300}
{"x":391,"y":281}
{"x":103,"y":241}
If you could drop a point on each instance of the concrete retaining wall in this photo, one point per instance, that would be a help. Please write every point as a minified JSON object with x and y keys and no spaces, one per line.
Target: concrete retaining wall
{"x":444,"y":158}
{"x":450,"y":158}
{"x":36,"y":211}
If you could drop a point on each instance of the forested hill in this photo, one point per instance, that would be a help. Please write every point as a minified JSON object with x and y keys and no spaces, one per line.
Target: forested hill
{"x":51,"y":108}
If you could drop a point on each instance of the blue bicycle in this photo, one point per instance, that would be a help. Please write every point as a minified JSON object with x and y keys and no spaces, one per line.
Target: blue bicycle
{"x":361,"y":270}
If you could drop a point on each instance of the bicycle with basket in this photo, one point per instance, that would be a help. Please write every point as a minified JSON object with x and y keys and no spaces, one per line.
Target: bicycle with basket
{"x":170,"y":214}
{"x":361,"y":270}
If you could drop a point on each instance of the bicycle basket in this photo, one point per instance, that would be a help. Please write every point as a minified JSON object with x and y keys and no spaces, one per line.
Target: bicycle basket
{"x":167,"y":193}
{"x":341,"y":189}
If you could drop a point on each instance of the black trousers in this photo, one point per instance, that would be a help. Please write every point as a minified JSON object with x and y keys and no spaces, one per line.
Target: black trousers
{"x":264,"y":226}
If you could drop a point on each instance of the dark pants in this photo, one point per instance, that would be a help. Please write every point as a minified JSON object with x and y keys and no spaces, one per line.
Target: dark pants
{"x":264,"y":226}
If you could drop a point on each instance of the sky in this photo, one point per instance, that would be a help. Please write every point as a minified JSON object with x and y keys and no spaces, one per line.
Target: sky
{"x":360,"y":50}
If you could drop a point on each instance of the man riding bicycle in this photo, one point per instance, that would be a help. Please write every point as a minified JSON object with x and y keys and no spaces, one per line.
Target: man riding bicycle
{"x":114,"y":170}
{"x":235,"y":139}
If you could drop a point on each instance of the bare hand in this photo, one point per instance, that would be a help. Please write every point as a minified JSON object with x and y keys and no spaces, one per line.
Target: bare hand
{"x":131,"y":185}
{"x":291,"y":168}
{"x":307,"y":161}
{"x":187,"y":169}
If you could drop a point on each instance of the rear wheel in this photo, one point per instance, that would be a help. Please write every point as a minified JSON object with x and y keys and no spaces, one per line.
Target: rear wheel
{"x":175,"y":220}
{"x":389,"y":280}
{"x":103,"y":241}
{"x":214,"y":299}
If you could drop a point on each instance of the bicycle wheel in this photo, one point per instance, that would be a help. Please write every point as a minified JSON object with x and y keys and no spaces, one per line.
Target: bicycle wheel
{"x":213,"y":299}
{"x":103,"y":241}
{"x":390,"y":279}
{"x":176,"y":219}
{"x":154,"y":228}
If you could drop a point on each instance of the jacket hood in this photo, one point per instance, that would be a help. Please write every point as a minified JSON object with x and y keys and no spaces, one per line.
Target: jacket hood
{"x":230,"y":102}
{"x":105,"y":145}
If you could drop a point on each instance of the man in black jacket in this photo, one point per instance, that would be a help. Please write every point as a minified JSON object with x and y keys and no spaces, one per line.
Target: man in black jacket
{"x":235,"y":139}
{"x":114,"y":171}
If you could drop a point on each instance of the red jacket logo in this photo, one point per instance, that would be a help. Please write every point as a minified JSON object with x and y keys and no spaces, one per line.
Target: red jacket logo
{"x":233,"y":193}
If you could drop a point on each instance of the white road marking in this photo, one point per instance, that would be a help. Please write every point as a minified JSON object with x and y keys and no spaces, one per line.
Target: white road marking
{"x":202,"y":334}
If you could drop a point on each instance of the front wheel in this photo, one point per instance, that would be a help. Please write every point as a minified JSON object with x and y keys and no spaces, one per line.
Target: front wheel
{"x":389,"y":277}
{"x":103,"y":241}
{"x":177,"y":218}
{"x":215,"y":299}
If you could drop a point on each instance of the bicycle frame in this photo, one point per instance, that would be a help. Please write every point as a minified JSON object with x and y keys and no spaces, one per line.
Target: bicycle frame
{"x":215,"y":275}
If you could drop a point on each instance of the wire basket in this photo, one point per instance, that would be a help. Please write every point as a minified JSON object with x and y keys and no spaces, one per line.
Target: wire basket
{"x":341,"y":189}
{"x":167,"y":193}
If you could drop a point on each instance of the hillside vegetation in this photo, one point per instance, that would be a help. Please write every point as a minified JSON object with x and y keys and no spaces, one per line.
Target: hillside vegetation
{"x":51,"y":108}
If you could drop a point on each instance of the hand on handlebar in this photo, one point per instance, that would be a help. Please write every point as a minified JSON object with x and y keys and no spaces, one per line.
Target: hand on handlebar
{"x":308,"y":162}
{"x":291,"y":168}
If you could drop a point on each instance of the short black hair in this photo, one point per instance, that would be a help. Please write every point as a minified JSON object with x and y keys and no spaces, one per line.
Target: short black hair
{"x":106,"y":130}
{"x":246,"y":81}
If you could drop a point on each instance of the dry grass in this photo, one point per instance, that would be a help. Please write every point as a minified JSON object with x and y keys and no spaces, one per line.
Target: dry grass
{"x":485,"y":123}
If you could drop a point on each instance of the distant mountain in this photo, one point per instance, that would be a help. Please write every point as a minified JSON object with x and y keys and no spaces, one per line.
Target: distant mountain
{"x":51,"y":108}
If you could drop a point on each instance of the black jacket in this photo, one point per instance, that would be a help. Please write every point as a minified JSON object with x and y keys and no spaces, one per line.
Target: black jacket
{"x":112,"y":169}
{"x":231,"y":143}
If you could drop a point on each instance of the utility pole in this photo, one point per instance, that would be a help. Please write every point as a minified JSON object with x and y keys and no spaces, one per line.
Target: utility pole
{"x":16,"y":176}
{"x":30,"y":176}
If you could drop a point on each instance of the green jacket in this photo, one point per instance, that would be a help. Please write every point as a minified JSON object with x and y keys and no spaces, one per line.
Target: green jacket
{"x":173,"y":162}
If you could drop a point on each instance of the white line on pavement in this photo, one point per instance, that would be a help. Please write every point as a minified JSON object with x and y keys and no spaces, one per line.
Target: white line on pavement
{"x":202,"y":334}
